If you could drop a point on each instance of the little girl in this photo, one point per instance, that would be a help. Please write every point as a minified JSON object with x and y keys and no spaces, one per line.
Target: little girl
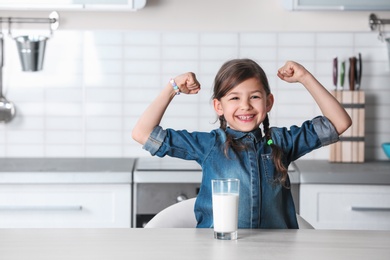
{"x":239,"y":148}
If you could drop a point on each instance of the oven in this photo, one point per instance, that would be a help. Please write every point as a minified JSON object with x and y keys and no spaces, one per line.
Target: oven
{"x":162,"y":182}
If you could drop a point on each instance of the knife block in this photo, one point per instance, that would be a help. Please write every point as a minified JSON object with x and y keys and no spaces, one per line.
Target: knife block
{"x":350,"y":148}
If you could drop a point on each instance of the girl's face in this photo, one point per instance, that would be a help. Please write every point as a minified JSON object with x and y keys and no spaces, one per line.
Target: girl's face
{"x":245,"y":106}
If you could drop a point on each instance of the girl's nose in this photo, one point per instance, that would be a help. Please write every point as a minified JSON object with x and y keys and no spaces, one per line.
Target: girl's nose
{"x":246,"y":104}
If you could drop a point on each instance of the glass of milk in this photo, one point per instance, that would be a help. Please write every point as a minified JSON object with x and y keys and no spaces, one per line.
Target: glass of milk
{"x":225,"y":194}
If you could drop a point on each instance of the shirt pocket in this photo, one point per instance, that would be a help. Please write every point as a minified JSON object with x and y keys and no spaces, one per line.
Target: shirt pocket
{"x":269,"y":168}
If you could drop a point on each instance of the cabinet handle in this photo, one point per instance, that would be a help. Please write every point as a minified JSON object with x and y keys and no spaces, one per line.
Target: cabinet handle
{"x":43,"y":208}
{"x":359,"y":208}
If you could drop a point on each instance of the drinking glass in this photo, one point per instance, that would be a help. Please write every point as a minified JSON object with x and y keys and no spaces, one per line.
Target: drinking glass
{"x":225,"y":197}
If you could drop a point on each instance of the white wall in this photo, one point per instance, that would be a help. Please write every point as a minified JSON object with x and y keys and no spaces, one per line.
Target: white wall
{"x":101,"y":71}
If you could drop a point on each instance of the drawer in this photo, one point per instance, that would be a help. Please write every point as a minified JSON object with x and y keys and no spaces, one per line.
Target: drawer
{"x":65,"y":206}
{"x":346,"y":206}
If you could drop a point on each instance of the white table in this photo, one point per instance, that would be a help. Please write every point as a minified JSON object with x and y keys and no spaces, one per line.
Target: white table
{"x":199,"y":244}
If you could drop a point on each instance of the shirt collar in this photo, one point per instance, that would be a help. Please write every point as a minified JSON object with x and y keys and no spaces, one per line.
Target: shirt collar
{"x":256,"y":134}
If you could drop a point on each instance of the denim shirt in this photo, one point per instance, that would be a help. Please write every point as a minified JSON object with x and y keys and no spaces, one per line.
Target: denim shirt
{"x":263,"y":202}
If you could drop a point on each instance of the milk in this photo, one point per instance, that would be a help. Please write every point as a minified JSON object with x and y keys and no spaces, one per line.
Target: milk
{"x":225,"y":212}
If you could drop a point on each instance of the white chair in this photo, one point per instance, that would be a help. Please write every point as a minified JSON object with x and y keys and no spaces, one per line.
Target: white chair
{"x":181,"y":215}
{"x":303,"y":224}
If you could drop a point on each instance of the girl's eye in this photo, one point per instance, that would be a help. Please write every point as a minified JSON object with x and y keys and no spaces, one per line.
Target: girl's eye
{"x":234,"y":98}
{"x":255,"y":97}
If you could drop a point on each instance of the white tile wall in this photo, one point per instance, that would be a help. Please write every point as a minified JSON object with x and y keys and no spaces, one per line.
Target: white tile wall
{"x":95,"y":84}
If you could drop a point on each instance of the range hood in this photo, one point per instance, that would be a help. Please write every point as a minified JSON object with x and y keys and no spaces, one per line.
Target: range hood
{"x":336,"y":5}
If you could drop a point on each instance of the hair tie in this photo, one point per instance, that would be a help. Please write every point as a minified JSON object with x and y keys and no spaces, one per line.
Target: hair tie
{"x":269,"y":142}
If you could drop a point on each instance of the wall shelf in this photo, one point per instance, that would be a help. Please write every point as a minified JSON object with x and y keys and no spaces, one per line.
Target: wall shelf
{"x":73,"y":5}
{"x":337,"y":5}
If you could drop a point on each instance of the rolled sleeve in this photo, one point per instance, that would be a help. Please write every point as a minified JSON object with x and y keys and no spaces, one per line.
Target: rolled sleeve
{"x":325,"y":130}
{"x":155,"y":140}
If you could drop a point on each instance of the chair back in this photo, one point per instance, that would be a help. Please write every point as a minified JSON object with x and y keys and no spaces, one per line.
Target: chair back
{"x":181,"y":215}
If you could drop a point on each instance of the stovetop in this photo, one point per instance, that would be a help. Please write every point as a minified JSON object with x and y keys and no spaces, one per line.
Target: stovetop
{"x":174,"y":164}
{"x":166,"y":164}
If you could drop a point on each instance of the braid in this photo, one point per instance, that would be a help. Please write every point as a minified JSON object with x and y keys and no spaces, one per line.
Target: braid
{"x":229,"y":140}
{"x":223,"y":123}
{"x":277,"y":153}
{"x":266,"y":128}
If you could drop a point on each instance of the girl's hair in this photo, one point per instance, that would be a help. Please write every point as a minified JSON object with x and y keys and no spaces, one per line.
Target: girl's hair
{"x":231,"y":74}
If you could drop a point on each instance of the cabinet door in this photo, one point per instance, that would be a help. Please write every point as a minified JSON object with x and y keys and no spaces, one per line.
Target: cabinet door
{"x":346,"y":206}
{"x":65,"y":206}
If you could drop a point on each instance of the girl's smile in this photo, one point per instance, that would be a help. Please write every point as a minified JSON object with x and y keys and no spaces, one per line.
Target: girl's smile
{"x":246,"y":118}
{"x":245,"y":106}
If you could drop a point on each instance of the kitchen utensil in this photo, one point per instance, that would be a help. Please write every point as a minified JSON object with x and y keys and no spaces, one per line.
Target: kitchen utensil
{"x":352,"y":72}
{"x":358,"y":71}
{"x":335,"y":72}
{"x":386,"y":149}
{"x":7,"y":109}
{"x":387,"y":40}
{"x":342,"y":75}
{"x":31,"y":51}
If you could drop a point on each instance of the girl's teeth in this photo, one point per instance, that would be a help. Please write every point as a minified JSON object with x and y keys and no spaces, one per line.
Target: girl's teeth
{"x":245,"y":117}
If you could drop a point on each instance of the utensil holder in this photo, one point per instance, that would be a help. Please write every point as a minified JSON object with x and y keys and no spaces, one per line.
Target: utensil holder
{"x":31,"y":52}
{"x":350,"y":148}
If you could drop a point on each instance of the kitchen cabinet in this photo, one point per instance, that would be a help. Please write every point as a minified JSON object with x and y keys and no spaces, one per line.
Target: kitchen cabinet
{"x":66,"y":193}
{"x":346,"y":206}
{"x":345,"y":195}
{"x":65,"y":206}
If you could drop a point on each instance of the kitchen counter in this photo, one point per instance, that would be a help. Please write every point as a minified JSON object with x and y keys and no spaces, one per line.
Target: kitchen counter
{"x":37,"y":244}
{"x":173,"y":170}
{"x":66,"y":170}
{"x":166,"y":170}
{"x":324,"y":172}
{"x":119,"y":170}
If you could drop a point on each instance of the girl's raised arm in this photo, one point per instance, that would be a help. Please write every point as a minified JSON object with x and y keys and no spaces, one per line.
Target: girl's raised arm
{"x":186,"y":83}
{"x":330,"y":107}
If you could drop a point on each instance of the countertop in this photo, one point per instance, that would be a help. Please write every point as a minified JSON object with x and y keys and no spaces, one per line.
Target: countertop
{"x":166,"y":170}
{"x":173,"y":170}
{"x":120,"y":170}
{"x":66,"y":170}
{"x":324,"y":172}
{"x":139,"y":243}
{"x":66,"y":164}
